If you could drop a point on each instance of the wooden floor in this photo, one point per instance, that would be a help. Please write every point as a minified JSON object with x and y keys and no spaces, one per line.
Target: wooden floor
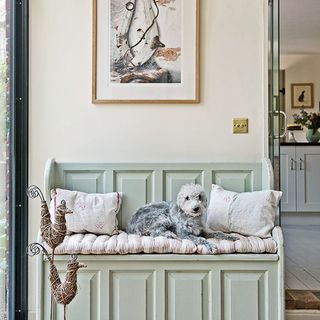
{"x":302,"y":300}
{"x":302,"y":251}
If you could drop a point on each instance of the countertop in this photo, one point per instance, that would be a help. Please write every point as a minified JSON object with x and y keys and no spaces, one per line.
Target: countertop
{"x":299,"y":144}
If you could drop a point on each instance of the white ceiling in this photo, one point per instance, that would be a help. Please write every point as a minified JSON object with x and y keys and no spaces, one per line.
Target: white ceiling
{"x":300,"y":26}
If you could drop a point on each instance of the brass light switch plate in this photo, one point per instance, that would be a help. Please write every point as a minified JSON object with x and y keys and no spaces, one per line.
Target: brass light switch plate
{"x":240,"y":125}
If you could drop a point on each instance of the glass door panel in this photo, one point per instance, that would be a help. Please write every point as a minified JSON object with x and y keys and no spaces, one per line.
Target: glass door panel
{"x":277,"y":118}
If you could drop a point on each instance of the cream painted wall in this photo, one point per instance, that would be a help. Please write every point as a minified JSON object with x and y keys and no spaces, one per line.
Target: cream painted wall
{"x":301,"y":69}
{"x":65,"y":125}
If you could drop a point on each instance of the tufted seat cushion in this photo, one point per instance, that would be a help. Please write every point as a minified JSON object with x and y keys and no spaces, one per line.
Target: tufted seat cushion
{"x":124,"y":243}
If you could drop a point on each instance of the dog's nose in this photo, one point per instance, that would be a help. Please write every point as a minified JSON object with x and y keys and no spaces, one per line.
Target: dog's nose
{"x":196,"y":209}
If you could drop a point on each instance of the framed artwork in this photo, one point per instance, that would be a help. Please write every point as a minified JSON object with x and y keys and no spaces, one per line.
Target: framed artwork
{"x":302,"y":95}
{"x":146,"y":51}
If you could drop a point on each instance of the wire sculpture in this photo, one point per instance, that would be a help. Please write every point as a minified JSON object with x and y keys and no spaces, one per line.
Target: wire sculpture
{"x":53,"y":233}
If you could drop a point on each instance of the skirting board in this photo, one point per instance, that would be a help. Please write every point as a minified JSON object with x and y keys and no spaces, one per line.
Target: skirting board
{"x":302,"y":314}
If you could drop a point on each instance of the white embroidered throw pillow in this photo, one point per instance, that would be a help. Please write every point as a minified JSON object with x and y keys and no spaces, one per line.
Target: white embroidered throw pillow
{"x":247,"y":213}
{"x":92,"y":212}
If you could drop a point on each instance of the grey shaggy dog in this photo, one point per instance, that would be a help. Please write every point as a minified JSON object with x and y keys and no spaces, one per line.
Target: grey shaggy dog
{"x":184,"y":219}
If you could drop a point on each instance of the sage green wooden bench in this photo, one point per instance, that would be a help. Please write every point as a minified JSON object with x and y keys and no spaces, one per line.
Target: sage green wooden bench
{"x":166,"y":286}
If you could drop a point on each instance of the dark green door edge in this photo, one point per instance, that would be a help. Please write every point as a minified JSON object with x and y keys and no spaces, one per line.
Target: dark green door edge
{"x":18,"y":207}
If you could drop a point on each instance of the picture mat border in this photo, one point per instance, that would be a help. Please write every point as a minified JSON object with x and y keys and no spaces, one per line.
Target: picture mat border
{"x":95,"y":100}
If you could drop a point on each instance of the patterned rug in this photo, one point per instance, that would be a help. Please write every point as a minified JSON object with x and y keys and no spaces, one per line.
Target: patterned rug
{"x":302,"y":299}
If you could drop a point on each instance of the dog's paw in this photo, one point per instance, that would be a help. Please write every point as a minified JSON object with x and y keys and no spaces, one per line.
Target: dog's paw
{"x":211,"y":248}
{"x":214,"y":249}
{"x":170,"y":235}
{"x":207,"y":249}
{"x":221,"y":236}
{"x":232,"y":238}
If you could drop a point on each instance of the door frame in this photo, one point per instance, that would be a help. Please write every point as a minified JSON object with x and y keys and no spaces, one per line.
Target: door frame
{"x":18,"y":163}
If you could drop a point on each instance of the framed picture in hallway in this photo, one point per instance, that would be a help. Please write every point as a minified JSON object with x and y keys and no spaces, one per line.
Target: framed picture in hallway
{"x":146,"y":51}
{"x":302,"y":95}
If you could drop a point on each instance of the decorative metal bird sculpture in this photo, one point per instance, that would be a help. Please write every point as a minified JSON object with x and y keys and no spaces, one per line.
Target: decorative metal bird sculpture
{"x":63,"y":292}
{"x":52,"y":233}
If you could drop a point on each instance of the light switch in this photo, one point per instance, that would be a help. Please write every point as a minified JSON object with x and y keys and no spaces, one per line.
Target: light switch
{"x":240,"y":125}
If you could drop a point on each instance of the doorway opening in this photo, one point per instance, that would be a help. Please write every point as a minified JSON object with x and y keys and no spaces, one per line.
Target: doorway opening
{"x":299,"y":89}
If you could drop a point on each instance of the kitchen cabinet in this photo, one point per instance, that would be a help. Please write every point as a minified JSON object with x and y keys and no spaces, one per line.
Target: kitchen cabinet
{"x":300,"y":178}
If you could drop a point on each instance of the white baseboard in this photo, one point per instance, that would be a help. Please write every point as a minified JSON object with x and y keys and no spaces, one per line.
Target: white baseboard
{"x":303,"y":315}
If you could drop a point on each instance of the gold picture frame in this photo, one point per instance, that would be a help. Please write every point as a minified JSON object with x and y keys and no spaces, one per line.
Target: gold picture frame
{"x":302,"y":95}
{"x":150,"y":93}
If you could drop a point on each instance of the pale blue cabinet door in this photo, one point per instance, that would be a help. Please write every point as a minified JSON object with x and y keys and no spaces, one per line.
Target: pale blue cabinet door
{"x":132,"y":295}
{"x":288,"y":167}
{"x":244,"y":296}
{"x":308,"y":178}
{"x":187,"y":295}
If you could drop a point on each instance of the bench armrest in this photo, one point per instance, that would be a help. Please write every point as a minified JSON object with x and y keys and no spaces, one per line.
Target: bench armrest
{"x":277,"y":235}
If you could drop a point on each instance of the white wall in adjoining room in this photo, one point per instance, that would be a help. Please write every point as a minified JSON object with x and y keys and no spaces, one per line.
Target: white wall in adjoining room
{"x":301,"y":69}
{"x":65,"y":125}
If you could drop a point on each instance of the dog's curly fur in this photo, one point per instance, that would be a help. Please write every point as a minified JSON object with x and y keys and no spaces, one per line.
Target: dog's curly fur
{"x":184,"y":219}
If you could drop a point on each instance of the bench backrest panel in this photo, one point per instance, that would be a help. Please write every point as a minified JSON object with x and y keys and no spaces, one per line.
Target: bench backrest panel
{"x":146,"y":182}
